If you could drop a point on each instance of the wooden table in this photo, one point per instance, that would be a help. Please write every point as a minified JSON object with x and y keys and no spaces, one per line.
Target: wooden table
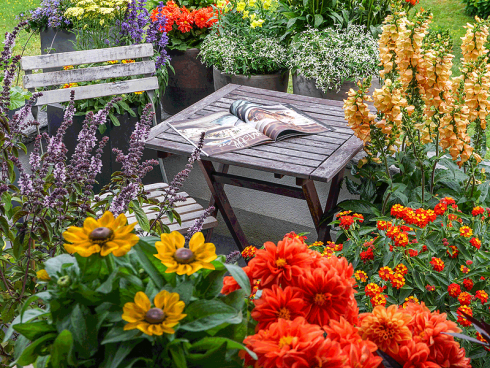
{"x":321,"y":157}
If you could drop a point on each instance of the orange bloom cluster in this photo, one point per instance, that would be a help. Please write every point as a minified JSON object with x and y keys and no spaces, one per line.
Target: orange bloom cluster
{"x":478,"y":211}
{"x":293,"y":235}
{"x":430,"y":287}
{"x":378,"y":299}
{"x":419,"y":217}
{"x":373,"y":289}
{"x":357,"y":113}
{"x":465,"y":298}
{"x":482,"y":296}
{"x":468,"y":284}
{"x":437,"y":264}
{"x":397,"y":280}
{"x":385,"y":273}
{"x":476,"y":243}
{"x":183,"y":18}
{"x":461,"y":320}
{"x":346,"y":219}
{"x":361,"y":276}
{"x":465,"y":231}
{"x":414,"y":336}
{"x":454,"y":290}
{"x":464,"y":269}
{"x":303,"y":296}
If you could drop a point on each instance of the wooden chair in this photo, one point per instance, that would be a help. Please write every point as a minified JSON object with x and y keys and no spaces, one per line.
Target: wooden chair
{"x":189,"y":210}
{"x":144,"y":69}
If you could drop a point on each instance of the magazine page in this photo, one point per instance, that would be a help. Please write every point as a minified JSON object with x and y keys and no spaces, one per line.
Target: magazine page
{"x":224,"y":133}
{"x":276,"y":121}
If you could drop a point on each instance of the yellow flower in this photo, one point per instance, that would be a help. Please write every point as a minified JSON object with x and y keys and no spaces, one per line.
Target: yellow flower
{"x":240,"y":6}
{"x":42,"y":275}
{"x":105,"y":235}
{"x":128,"y":61}
{"x":185,"y":261}
{"x":68,"y":67}
{"x":251,"y":3}
{"x":138,"y":93}
{"x":257,"y":23}
{"x":245,"y":14}
{"x":113,"y":61}
{"x":154,"y":321}
{"x":70,"y":85}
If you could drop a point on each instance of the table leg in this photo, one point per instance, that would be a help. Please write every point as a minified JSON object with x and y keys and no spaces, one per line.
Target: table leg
{"x":222,"y":203}
{"x":223,"y":168}
{"x":333,"y":196}
{"x":313,"y":201}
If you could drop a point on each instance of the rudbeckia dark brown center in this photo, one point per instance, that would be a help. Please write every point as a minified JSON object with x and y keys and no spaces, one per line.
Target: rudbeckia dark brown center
{"x":155,"y":316}
{"x":184,"y":255}
{"x":101,"y":235}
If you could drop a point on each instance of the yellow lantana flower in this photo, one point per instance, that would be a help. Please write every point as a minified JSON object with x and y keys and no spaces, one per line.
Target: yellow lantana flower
{"x":42,"y":275}
{"x":185,"y":261}
{"x":154,"y":321}
{"x":105,"y":235}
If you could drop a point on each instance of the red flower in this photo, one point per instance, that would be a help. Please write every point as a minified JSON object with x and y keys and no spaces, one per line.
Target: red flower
{"x":385,"y":273}
{"x":452,"y":251}
{"x":430,"y":287}
{"x":440,"y":208}
{"x":468,"y":284}
{"x":279,"y":265}
{"x":327,"y":292}
{"x":461,"y":320}
{"x":230,"y":284}
{"x":397,"y":280}
{"x":454,"y":290}
{"x":185,"y":21}
{"x":478,"y":211}
{"x":476,"y":243}
{"x":469,"y":262}
{"x":412,"y":252}
{"x":437,"y":264}
{"x":415,"y":355}
{"x":277,"y":303}
{"x":201,"y":16}
{"x":401,"y":269}
{"x":346,"y":222}
{"x":424,"y":249}
{"x":378,"y":299}
{"x":372,"y":289}
{"x":482,"y":295}
{"x":465,"y":298}
{"x":367,"y":255}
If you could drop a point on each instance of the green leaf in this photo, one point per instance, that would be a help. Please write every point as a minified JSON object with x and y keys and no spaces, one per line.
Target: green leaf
{"x":240,"y":277}
{"x":34,"y":330}
{"x":61,"y":350}
{"x":53,"y":266}
{"x":208,"y":343}
{"x":318,"y":20}
{"x":29,"y":315}
{"x":83,"y":327}
{"x":107,"y":286}
{"x":141,"y":216}
{"x":117,"y":334}
{"x":359,"y":206}
{"x":126,"y":107}
{"x":114,"y":359}
{"x":209,"y":314}
{"x":114,"y":120}
{"x":404,"y":293}
{"x":178,"y":356}
{"x":146,"y":253}
{"x":30,"y":354}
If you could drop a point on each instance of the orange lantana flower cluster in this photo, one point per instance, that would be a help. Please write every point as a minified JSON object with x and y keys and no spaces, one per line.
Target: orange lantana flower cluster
{"x":184,"y":19}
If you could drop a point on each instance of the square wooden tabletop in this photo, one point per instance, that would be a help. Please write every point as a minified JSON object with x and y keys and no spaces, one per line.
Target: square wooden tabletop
{"x":317,"y":157}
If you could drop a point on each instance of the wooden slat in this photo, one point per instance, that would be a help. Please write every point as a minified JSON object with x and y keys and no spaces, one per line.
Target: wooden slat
{"x":98,"y":90}
{"x":57,"y":60}
{"x":182,"y":115}
{"x":332,"y":165}
{"x":277,"y":159}
{"x":88,"y":74}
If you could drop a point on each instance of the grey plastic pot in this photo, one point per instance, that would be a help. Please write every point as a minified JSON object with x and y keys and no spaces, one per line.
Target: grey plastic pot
{"x":57,"y":40}
{"x":306,"y":87}
{"x":274,"y":82}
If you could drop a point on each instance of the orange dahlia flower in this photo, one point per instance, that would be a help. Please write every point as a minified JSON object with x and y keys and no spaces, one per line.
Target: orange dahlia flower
{"x":450,"y":355}
{"x":294,"y":344}
{"x":185,"y":21}
{"x":415,"y":355}
{"x":230,"y":284}
{"x":327,"y":294}
{"x":386,"y":327}
{"x":277,"y":303}
{"x":281,"y":264}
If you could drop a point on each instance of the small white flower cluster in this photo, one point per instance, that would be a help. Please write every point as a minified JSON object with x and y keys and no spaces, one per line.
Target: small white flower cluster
{"x":333,"y":56}
{"x":234,"y":55}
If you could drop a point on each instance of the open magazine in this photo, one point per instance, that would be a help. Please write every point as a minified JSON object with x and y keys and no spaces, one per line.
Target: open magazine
{"x":245,"y":125}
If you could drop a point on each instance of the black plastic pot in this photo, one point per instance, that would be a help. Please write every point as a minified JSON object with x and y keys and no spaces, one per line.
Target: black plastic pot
{"x":119,"y":137}
{"x":274,"y":82}
{"x":55,"y":40}
{"x":191,"y":82}
{"x":307,"y":87}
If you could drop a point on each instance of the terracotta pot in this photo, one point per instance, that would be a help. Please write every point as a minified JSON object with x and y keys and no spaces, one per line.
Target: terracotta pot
{"x":306,"y":87}
{"x":191,"y":82}
{"x":274,"y":82}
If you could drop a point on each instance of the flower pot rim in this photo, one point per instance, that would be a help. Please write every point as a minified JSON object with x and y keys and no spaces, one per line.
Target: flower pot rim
{"x":253,"y":76}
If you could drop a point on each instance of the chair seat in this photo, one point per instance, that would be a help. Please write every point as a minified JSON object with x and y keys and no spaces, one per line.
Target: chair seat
{"x":189,"y":210}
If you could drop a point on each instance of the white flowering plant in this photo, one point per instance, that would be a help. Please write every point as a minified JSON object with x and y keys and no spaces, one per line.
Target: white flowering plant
{"x":234,"y":54}
{"x":333,"y":56}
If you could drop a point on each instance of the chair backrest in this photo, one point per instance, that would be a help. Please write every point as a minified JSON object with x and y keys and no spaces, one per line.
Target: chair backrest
{"x":145,"y":69}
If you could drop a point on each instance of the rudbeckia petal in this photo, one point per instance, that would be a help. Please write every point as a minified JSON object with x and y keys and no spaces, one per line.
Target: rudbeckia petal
{"x":142,"y":301}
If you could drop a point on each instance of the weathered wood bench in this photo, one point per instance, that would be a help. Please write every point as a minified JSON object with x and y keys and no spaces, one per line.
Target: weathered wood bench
{"x":141,"y":73}
{"x":142,"y":79}
{"x":189,"y":210}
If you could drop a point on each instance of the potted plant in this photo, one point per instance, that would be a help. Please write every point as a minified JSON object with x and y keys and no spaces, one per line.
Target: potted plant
{"x":54,"y":28}
{"x":187,"y":24}
{"x":246,"y":48}
{"x":327,"y":63}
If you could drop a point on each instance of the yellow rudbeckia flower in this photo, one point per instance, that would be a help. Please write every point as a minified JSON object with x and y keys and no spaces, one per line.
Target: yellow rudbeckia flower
{"x":185,"y":261}
{"x":154,"y":321}
{"x":105,"y":235}
{"x":42,"y":275}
